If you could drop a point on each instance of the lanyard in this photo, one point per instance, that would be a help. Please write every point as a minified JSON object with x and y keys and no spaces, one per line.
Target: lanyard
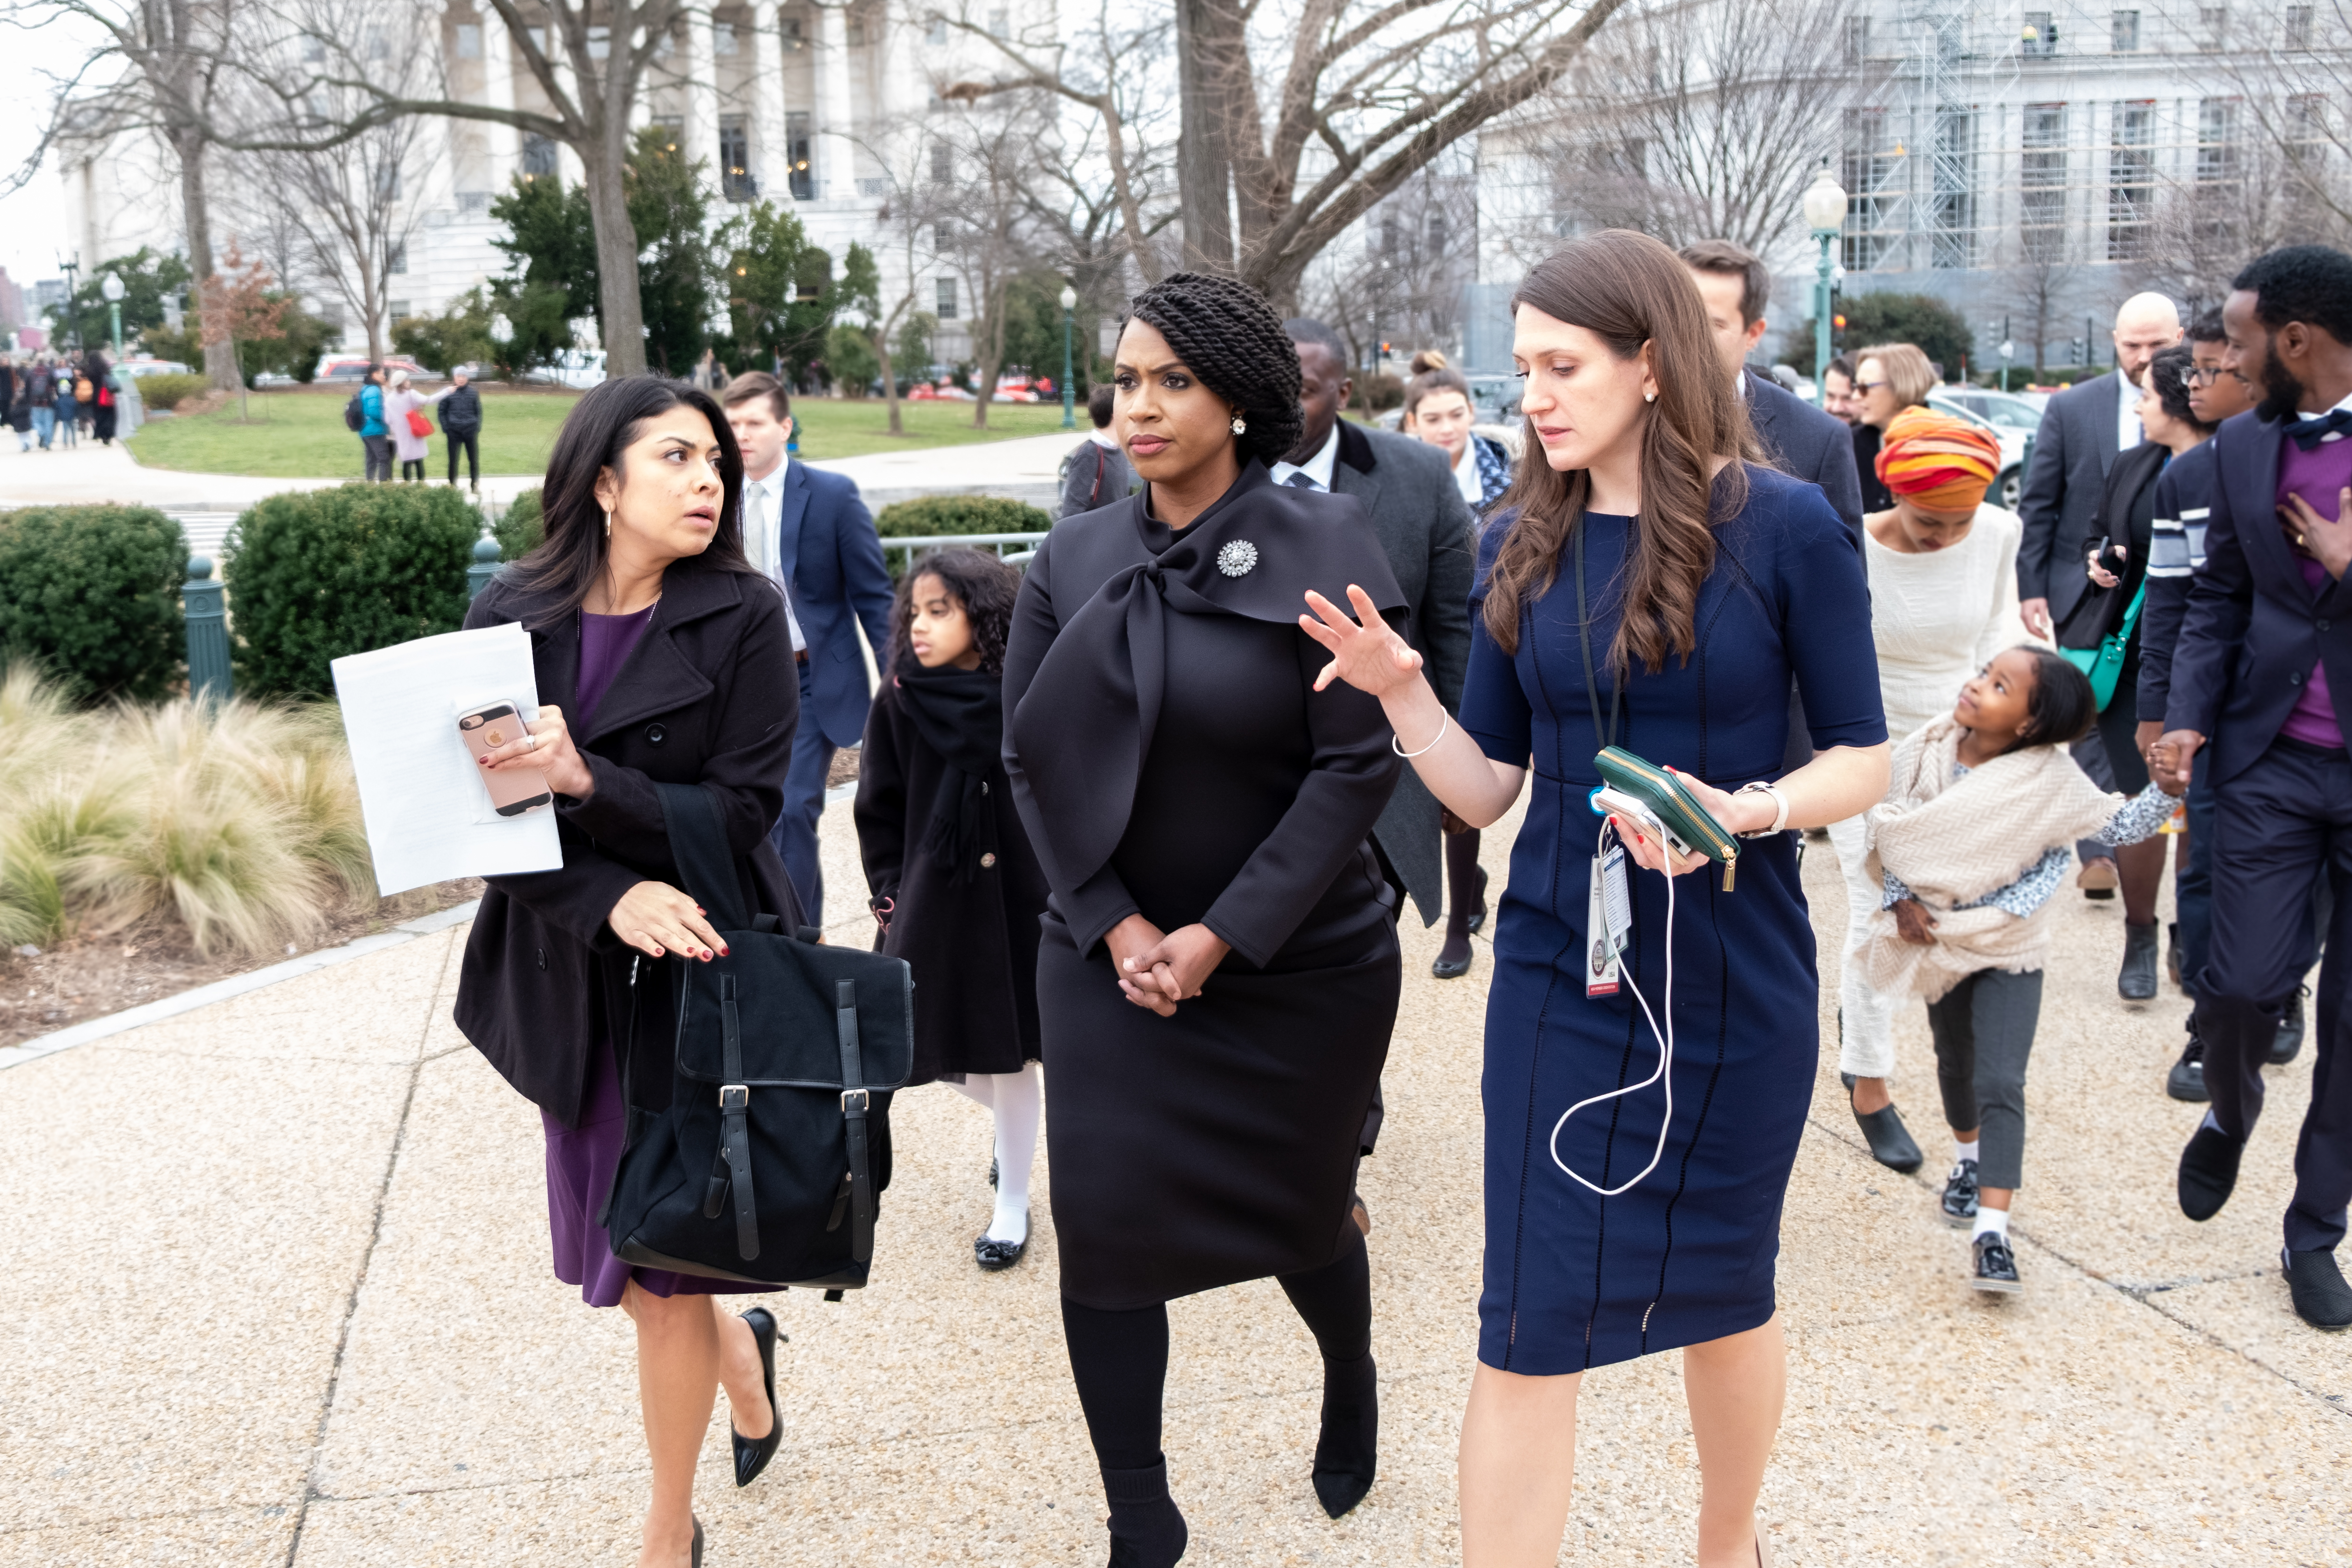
{"x":1605,"y":737}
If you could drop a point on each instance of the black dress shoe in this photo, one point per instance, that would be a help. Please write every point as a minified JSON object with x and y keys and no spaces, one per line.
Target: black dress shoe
{"x":2292,"y":1025}
{"x":2135,"y":982}
{"x":1890,"y":1142}
{"x":1958,"y":1204}
{"x":1996,"y":1262}
{"x":1348,"y":1449}
{"x":752,"y":1454}
{"x":1451,"y":966}
{"x":2321,"y":1296}
{"x":994,"y":1255}
{"x":2209,"y":1171}
{"x":1846,"y":1078}
{"x":2187,"y":1079}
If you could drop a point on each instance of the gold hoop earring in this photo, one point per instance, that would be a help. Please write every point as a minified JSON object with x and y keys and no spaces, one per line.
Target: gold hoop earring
{"x":1241,"y":426}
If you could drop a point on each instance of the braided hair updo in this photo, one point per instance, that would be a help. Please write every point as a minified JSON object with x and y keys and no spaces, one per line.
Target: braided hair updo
{"x":1227,"y":335}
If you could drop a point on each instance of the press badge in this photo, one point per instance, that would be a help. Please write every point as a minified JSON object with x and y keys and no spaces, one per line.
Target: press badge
{"x":1608,"y":921}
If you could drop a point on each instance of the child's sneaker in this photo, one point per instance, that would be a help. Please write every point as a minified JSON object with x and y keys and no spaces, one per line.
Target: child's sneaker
{"x":1960,"y":1196}
{"x":1996,"y":1264}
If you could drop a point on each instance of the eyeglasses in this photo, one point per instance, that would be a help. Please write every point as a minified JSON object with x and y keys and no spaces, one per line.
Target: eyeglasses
{"x":1868,"y":385}
{"x":2203,"y":374}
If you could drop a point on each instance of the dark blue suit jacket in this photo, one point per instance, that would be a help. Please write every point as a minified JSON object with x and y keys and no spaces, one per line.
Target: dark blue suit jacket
{"x":2184,"y":504}
{"x":832,"y":557}
{"x":2253,"y":629}
{"x":1810,"y":443}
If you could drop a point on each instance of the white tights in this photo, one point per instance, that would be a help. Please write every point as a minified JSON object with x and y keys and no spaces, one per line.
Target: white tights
{"x":1867,"y":1049}
{"x":1017,"y":1100}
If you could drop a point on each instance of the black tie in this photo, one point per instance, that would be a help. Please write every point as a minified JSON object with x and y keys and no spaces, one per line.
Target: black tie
{"x":2309,"y":433}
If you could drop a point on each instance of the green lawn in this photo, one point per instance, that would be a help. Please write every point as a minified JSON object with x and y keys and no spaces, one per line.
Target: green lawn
{"x":300,"y":435}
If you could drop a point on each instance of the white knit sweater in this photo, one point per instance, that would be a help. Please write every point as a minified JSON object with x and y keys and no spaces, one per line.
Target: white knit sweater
{"x":1936,"y":619}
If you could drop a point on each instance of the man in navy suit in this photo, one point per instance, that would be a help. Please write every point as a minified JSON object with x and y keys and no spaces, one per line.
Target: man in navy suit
{"x":2263,"y":669}
{"x":809,"y":530}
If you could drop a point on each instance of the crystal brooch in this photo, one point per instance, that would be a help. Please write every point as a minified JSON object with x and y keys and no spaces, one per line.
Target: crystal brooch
{"x":1238,"y":557}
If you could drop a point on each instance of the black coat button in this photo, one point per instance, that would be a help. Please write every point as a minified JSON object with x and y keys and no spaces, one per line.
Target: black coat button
{"x":654,"y":735}
{"x":2296,"y":679}
{"x":2323,"y":625}
{"x":543,"y":958}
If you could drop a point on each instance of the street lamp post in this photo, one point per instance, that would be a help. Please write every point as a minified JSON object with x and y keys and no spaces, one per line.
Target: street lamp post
{"x":1825,"y":205}
{"x":112,"y":288}
{"x":1069,"y":391}
{"x":73,"y":297}
{"x":502,"y":334}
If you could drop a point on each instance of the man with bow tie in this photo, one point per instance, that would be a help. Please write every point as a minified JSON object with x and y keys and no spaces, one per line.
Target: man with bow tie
{"x":2263,"y":669}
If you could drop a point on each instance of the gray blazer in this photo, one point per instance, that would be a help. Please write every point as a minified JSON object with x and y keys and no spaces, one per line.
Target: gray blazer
{"x":1407,"y":490}
{"x":2060,"y":506}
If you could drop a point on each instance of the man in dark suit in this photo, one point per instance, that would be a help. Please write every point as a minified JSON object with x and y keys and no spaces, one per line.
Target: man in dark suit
{"x":2263,"y":669}
{"x":1801,"y":439}
{"x":1407,"y":490}
{"x":808,"y":529}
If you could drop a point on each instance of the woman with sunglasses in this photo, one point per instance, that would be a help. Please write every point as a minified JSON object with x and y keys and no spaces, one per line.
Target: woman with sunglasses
{"x":1887,"y":379}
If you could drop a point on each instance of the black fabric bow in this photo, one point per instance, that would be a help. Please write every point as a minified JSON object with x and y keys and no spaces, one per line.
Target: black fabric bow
{"x":1085,"y":725}
{"x":2309,"y":433}
{"x":960,"y":713}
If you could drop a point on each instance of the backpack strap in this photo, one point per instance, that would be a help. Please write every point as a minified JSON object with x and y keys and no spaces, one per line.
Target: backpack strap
{"x":856,"y":1100}
{"x":735,"y":1125}
{"x":699,"y":845}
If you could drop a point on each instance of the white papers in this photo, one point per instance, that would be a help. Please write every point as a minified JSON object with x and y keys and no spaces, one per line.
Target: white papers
{"x":419,"y":788}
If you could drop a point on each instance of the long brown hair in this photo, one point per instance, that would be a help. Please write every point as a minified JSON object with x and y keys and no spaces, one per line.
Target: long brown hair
{"x":1631,"y":292}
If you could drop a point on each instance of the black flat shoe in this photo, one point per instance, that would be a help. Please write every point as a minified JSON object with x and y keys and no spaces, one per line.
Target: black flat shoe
{"x":1958,"y":1204}
{"x":994,"y":1255}
{"x":752,"y":1454}
{"x":1449,"y":966}
{"x":2135,"y":981}
{"x":1348,"y":1449}
{"x":2292,"y":1025}
{"x":696,"y":1558}
{"x":2317,"y":1284}
{"x":1478,"y":921}
{"x":2209,"y":1171}
{"x":1890,"y":1142}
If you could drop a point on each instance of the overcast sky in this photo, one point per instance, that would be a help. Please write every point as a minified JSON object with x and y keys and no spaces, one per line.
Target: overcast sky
{"x":32,"y":220}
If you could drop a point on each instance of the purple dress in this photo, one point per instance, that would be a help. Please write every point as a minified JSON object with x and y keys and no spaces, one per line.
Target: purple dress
{"x":581,"y":1160}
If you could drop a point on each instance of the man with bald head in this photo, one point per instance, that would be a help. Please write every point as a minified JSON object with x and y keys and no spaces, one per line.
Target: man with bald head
{"x":2084,"y":429}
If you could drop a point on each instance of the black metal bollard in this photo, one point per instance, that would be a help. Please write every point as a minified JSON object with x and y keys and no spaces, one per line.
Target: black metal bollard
{"x":486,"y":556}
{"x":206,"y":610}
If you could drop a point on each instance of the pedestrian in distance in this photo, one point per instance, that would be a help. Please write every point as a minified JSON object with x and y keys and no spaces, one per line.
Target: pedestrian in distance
{"x":460,"y":407}
{"x":641,"y":606}
{"x":1943,"y":576}
{"x":2263,"y":674}
{"x":100,"y":373}
{"x":9,"y":398}
{"x":404,"y":410}
{"x":1837,"y":391}
{"x":375,"y":440}
{"x":41,"y":396}
{"x":955,"y":888}
{"x":1887,"y":379}
{"x":1976,"y":795}
{"x":809,"y":531}
{"x":1218,"y":969}
{"x":69,"y":384}
{"x":1693,"y":619}
{"x":1095,"y":472}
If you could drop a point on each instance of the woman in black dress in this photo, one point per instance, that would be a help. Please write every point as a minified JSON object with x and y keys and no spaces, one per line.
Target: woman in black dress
{"x":1219,"y":968}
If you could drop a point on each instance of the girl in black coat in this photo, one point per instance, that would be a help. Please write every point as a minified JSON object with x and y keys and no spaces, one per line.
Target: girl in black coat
{"x":658,"y":649}
{"x":956,"y":888}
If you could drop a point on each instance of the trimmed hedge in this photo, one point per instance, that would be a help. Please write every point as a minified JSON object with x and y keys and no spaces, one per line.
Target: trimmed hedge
{"x":92,"y":594}
{"x":928,"y":515}
{"x":317,"y":574}
{"x":164,"y":391}
{"x":521,"y":529}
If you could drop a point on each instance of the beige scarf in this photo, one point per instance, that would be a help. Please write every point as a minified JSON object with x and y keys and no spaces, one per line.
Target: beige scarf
{"x":1952,"y":842}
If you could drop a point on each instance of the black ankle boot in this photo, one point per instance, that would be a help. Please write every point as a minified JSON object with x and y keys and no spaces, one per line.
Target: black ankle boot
{"x":1348,"y":1451}
{"x":1146,"y":1529}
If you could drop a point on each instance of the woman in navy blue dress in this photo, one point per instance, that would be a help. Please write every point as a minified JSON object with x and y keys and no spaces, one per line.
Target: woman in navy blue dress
{"x":1711,"y":582}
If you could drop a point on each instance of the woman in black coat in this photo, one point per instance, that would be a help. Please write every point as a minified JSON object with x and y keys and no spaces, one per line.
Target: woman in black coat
{"x":660,"y":655}
{"x":955,"y":887}
{"x":1218,"y":973}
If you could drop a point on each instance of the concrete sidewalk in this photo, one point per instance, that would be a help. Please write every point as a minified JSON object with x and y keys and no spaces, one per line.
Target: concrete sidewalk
{"x":280,"y":1295}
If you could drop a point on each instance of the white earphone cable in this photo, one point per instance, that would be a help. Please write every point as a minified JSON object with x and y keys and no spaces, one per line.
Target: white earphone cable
{"x":1665,"y":1046}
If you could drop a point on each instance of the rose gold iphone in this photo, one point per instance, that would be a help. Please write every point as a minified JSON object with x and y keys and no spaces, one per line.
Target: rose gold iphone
{"x":513,"y":791}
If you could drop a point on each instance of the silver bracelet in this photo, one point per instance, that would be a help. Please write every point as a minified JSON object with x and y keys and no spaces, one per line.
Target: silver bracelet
{"x":1779,"y":803}
{"x":1442,"y":722}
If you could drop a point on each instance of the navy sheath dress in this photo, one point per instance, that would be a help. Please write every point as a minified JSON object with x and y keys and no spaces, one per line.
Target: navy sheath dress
{"x":1574,"y":1279}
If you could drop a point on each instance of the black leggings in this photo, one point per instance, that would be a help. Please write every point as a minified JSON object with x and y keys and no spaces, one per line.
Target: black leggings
{"x":466,"y":443}
{"x":1120,"y":1359}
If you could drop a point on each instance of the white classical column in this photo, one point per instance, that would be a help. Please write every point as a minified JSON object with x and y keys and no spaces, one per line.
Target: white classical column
{"x":837,"y":158}
{"x":771,"y":159}
{"x":697,"y":61}
{"x":498,"y":92}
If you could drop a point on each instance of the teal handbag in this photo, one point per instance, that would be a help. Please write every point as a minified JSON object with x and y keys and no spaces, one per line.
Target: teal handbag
{"x":2104,"y":663}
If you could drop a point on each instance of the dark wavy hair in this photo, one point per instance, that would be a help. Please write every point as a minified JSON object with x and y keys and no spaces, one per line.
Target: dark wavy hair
{"x":2167,"y":372}
{"x":986,"y":587}
{"x":1633,"y":293}
{"x":1227,"y":335}
{"x":599,"y":428}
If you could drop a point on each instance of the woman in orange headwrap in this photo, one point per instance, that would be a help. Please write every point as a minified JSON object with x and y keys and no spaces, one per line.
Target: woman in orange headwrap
{"x":1943,"y":601}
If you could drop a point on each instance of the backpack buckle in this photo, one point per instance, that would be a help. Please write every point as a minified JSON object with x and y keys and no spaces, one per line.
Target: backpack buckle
{"x":734,"y":1097}
{"x":864,"y":1100}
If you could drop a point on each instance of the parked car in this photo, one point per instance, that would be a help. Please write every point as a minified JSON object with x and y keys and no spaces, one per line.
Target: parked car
{"x":2009,"y":423}
{"x":580,"y":368}
{"x":153,"y":367}
{"x":928,"y":391}
{"x":351,"y":368}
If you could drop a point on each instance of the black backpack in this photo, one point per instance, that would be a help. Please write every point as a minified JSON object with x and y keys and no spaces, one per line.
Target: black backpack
{"x":768,"y":1165}
{"x":355,"y":413}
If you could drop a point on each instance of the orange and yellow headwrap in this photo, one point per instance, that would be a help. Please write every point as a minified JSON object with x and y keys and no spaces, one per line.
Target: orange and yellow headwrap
{"x":1938,"y":461}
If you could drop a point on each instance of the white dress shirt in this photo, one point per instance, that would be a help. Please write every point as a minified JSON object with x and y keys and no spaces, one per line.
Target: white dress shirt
{"x":1316,"y":467}
{"x":763,"y":524}
{"x":2128,"y":433}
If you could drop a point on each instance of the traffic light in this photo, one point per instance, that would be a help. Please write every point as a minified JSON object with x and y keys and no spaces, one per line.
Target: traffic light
{"x":1838,"y":323}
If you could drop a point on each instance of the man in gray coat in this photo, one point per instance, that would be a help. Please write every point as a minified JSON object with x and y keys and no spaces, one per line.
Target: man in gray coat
{"x":1407,"y":490}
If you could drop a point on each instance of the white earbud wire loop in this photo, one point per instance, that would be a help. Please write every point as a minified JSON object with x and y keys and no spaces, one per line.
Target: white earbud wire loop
{"x":1666,"y":1040}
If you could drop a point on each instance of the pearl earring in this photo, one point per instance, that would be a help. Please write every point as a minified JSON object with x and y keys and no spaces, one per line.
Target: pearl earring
{"x":1241,"y":426}
{"x":1648,"y":398}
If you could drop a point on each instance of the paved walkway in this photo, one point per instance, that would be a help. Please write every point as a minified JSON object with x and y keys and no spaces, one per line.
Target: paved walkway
{"x":279,"y":1295}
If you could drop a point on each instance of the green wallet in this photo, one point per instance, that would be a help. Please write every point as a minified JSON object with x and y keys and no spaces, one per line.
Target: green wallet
{"x":1675,"y":806}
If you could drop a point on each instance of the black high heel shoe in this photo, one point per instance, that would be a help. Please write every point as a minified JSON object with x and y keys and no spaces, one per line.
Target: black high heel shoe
{"x":1890,"y":1142}
{"x":752,"y":1454}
